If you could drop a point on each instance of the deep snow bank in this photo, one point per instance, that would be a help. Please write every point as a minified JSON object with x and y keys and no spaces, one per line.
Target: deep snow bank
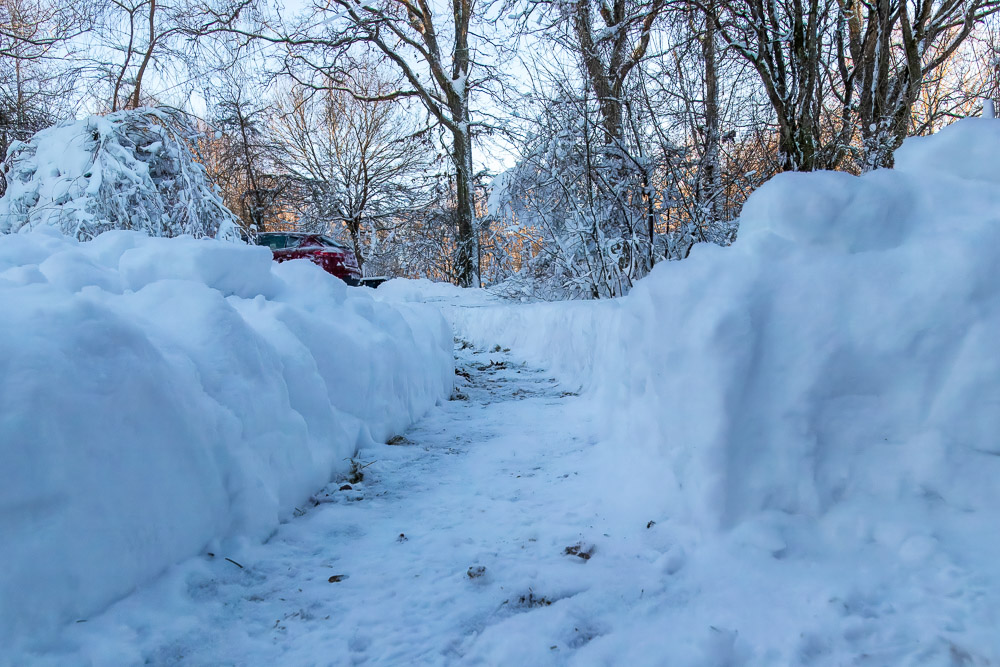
{"x":161,"y":395}
{"x":838,"y":361}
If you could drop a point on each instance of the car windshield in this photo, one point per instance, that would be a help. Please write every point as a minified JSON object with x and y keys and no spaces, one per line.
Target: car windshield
{"x":273,"y":241}
{"x":330,"y":242}
{"x":279,"y":241}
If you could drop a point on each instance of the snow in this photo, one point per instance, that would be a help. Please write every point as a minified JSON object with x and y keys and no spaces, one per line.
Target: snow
{"x":422,"y":290}
{"x":161,"y":396}
{"x":851,"y":312}
{"x":962,"y":150}
{"x":820,"y":396}
{"x":458,"y":85}
{"x":499,"y":196}
{"x":404,"y":552}
{"x":780,"y":452}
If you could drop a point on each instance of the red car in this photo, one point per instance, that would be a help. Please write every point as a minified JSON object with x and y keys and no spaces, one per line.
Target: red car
{"x":333,"y":257}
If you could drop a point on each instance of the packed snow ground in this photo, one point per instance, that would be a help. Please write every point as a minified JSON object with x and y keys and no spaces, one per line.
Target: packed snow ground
{"x":452,"y":548}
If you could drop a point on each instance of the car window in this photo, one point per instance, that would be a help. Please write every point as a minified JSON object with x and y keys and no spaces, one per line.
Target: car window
{"x":330,"y":242}
{"x":273,"y":241}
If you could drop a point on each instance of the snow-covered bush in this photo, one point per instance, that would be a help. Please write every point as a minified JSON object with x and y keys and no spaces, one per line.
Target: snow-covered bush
{"x":584,"y":205}
{"x":593,"y":217}
{"x":128,"y":170}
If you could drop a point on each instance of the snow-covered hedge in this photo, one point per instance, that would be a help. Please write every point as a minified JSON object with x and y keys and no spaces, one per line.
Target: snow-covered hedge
{"x":838,"y":362}
{"x":161,"y":397}
{"x":128,"y":170}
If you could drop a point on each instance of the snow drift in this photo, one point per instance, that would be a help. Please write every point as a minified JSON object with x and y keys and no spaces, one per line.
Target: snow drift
{"x":839,"y":361}
{"x":162,"y":396}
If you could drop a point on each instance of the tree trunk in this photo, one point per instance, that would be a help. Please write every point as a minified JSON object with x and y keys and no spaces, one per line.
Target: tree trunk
{"x":147,"y":57}
{"x":467,"y":256}
{"x":466,"y":264}
{"x":796,"y":144}
{"x":124,"y":67}
{"x":709,"y":191}
{"x":354,"y":227}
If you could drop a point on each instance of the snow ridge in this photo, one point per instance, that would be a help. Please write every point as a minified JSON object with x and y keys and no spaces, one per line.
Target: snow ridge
{"x":164,"y":397}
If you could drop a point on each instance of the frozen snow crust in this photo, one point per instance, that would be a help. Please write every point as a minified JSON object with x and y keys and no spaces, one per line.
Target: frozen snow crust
{"x":161,"y":397}
{"x":839,"y":362}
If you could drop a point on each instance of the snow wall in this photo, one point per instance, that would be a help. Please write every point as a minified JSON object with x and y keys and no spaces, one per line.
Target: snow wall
{"x":840,"y":360}
{"x":164,"y":397}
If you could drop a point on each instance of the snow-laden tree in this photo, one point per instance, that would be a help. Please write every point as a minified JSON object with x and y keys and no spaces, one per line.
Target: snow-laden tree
{"x":590,"y":219}
{"x":127,"y":170}
{"x":592,"y":211}
{"x":843,"y":76}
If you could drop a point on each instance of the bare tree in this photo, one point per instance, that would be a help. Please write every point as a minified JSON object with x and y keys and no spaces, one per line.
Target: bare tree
{"x":35,"y":81}
{"x":788,"y":42}
{"x":32,"y":29}
{"x":242,"y":155}
{"x":959,"y":88}
{"x":888,"y":50}
{"x":609,"y":48}
{"x":360,"y":163}
{"x":701,"y":102}
{"x":843,"y":76}
{"x":429,"y":46}
{"x":133,"y":37}
{"x":432,"y":52}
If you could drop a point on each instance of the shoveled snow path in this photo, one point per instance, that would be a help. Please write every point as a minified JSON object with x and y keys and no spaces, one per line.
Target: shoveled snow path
{"x":452,"y":549}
